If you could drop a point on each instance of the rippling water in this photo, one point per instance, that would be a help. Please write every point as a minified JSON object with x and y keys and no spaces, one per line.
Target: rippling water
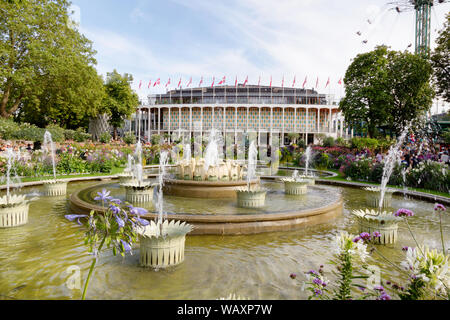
{"x":34,"y":258}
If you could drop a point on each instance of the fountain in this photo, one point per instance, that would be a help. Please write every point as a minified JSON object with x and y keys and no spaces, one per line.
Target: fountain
{"x":138,"y":190}
{"x":309,"y":177}
{"x":384,"y":222}
{"x":162,"y":242}
{"x":13,"y":208}
{"x":208,"y":177}
{"x":53,"y":187}
{"x":371,"y":220}
{"x":295,"y":185}
{"x":373,"y":197}
{"x":127,"y":175}
{"x":251,"y":197}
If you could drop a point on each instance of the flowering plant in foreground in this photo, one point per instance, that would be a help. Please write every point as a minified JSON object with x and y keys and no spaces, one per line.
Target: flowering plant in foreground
{"x":115,"y":228}
{"x":350,"y":253}
{"x":428,"y":270}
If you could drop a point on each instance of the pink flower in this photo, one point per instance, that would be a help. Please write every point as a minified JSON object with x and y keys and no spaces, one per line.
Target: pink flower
{"x":404,"y":213}
{"x":439,"y":207}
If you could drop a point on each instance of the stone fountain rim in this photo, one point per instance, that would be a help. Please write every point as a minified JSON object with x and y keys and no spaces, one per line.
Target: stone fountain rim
{"x":218,"y":183}
{"x":85,"y":207}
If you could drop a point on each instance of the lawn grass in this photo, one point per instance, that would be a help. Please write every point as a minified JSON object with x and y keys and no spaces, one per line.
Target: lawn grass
{"x":114,"y":171}
{"x":340,"y":177}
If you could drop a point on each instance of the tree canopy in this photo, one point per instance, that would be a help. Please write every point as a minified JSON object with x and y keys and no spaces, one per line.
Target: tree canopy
{"x":120,"y":100}
{"x":385,"y":88}
{"x":47,"y":69}
{"x":441,"y":61}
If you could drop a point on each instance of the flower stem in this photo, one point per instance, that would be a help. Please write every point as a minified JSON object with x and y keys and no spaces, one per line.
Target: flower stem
{"x":91,"y":269}
{"x":442,"y":235}
{"x":412,"y":234}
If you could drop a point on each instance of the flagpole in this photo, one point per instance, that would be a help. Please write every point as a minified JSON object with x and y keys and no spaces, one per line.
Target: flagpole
{"x":181,"y":94}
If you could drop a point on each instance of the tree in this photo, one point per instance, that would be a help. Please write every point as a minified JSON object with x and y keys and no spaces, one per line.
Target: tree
{"x":120,"y":100}
{"x":441,"y":62}
{"x":46,"y":67}
{"x":385,"y":88}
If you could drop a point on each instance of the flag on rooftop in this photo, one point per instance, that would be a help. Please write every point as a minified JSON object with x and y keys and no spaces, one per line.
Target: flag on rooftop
{"x":293,"y":83}
{"x":189,"y":83}
{"x":246,"y":80}
{"x":222,"y":81}
{"x":328,"y":82}
{"x":168,"y":82}
{"x":212,"y":84}
{"x":149,"y":84}
{"x":140,"y":84}
{"x":156,"y":82}
{"x":179,"y":83}
{"x":201,"y":81}
{"x":304,"y":82}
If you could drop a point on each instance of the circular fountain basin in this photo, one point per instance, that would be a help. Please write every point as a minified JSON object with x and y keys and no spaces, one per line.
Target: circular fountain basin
{"x":212,"y":216}
{"x":54,"y":188}
{"x":205,"y":189}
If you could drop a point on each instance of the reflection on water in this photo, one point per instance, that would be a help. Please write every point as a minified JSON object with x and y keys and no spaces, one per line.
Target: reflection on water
{"x":34,"y":258}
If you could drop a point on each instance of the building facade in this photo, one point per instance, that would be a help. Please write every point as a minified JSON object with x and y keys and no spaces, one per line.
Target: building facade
{"x":266,"y":111}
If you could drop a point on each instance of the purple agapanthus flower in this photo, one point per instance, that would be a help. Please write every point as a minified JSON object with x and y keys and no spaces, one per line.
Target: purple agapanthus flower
{"x":356,"y":239}
{"x":137,"y":211}
{"x":376,"y":234}
{"x":116,"y":201}
{"x":313,"y":272}
{"x":119,"y":221}
{"x":404,"y":213}
{"x":103,"y":196}
{"x":293,"y":275}
{"x":439,"y":207}
{"x":317,"y":292}
{"x":405,"y":248}
{"x":114,"y":209}
{"x":126,"y":245}
{"x":72,"y":217}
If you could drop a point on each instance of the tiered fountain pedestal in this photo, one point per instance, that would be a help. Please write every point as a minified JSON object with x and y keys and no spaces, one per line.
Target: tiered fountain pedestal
{"x":253,"y":198}
{"x":13,"y":211}
{"x":293,"y":187}
{"x":373,"y":196}
{"x":385,"y":223}
{"x":53,"y":188}
{"x":162,"y":245}
{"x":205,"y":189}
{"x":138,"y":193}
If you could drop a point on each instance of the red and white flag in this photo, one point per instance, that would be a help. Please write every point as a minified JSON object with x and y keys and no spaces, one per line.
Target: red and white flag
{"x":317,"y":82}
{"x":235,"y":82}
{"x":140,"y":84}
{"x":157,"y":82}
{"x":270,"y":82}
{"x":201,"y":81}
{"x":328,"y":82}
{"x":179,"y":83}
{"x":168,"y":82}
{"x":246,"y":80}
{"x":212,"y":84}
{"x":293,"y":83}
{"x":304,"y":82}
{"x":149,"y":84}
{"x":222,"y":81}
{"x":189,"y":83}
{"x":340,"y":81}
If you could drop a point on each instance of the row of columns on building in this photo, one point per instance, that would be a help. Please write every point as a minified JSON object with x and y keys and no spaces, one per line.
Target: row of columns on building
{"x":157,"y":124}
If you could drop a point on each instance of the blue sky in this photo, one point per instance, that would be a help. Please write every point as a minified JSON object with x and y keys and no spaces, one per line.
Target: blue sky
{"x":213,"y":38}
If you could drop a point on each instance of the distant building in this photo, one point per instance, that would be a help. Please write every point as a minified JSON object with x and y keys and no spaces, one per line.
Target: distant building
{"x":266,"y":111}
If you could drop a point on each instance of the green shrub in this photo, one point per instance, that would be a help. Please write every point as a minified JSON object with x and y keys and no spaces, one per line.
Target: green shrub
{"x":358,"y":170}
{"x":341,"y":142}
{"x":81,"y":136}
{"x":301,"y":143}
{"x":155,"y":139}
{"x":364,"y":143}
{"x":69,"y":134}
{"x":105,"y":137}
{"x":8,"y":128}
{"x":328,"y":142}
{"x":323,"y":161}
{"x":129,"y":138}
{"x":29,"y":132}
{"x":56,"y":131}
